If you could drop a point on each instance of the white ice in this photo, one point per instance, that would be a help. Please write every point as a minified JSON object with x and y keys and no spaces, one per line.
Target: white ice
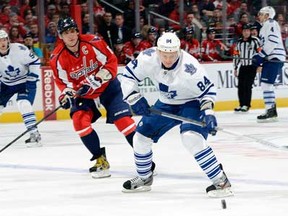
{"x":53,"y":180}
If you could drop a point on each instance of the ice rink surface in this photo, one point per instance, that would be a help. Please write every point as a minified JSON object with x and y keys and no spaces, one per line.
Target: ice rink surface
{"x":53,"y":180}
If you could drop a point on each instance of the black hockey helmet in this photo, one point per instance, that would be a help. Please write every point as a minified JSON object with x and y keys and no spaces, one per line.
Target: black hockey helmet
{"x":65,"y":24}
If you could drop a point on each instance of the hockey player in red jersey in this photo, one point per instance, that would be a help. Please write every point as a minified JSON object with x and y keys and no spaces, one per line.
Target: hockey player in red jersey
{"x":85,"y":70}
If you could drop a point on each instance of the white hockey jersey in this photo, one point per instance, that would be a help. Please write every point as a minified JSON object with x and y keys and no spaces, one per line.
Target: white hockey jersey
{"x":14,"y":66}
{"x":271,"y":40}
{"x":186,"y":82}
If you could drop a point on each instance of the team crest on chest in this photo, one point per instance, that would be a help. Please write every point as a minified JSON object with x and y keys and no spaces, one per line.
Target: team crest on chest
{"x":12,"y":72}
{"x":189,"y":68}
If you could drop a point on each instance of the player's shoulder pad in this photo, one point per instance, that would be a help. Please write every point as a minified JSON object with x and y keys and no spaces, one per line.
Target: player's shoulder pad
{"x":89,"y":38}
{"x":57,"y":50}
{"x":149,"y":52}
{"x":19,"y":46}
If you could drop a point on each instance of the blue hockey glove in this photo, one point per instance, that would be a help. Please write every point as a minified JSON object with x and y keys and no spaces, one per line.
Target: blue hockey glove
{"x":259,"y":58}
{"x":210,"y":121}
{"x":208,"y":116}
{"x":138,"y":104}
{"x":66,"y":98}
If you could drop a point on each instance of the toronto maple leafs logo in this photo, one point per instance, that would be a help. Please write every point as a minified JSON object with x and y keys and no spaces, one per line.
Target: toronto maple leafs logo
{"x":12,"y":72}
{"x":189,"y":68}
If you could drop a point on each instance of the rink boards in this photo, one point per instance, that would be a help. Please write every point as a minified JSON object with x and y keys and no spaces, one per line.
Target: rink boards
{"x":222,"y":74}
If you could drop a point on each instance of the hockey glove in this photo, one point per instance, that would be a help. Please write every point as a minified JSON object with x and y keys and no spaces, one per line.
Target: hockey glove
{"x":259,"y":58}
{"x":208,"y":117}
{"x":66,"y":98}
{"x":93,"y":82}
{"x":32,"y":79}
{"x":138,"y":104}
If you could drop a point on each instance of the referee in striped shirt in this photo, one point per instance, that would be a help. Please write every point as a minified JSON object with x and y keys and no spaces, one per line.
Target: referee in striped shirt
{"x":246,"y":46}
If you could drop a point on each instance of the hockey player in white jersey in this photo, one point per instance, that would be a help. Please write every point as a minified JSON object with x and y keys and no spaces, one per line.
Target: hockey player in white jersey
{"x":271,"y":49}
{"x":15,"y":62}
{"x":184,"y":90}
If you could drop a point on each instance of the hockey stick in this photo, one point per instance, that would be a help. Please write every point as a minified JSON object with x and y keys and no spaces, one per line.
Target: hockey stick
{"x":176,"y":117}
{"x":45,"y":117}
{"x":202,"y":124}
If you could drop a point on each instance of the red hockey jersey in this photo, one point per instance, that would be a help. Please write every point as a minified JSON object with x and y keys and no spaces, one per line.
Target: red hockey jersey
{"x":69,"y":69}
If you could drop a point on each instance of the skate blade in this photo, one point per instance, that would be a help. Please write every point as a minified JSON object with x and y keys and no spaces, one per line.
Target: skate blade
{"x":275,"y":119}
{"x":137,"y":190}
{"x":220,"y":193}
{"x":34,"y":145}
{"x":101,"y":174}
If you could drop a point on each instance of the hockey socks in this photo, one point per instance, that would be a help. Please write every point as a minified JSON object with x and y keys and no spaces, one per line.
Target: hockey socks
{"x":92,"y":143}
{"x":209,"y":164}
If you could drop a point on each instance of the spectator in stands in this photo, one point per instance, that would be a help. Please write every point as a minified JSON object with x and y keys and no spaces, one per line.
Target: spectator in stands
{"x":55,"y":17}
{"x":58,"y":5}
{"x":51,"y":10}
{"x":51,"y":33}
{"x":65,"y":9}
{"x":135,"y":46}
{"x":206,"y":8}
{"x":34,"y":30}
{"x":234,"y":5}
{"x":215,"y":20}
{"x":5,"y":12}
{"x":98,"y":9}
{"x":244,"y":19}
{"x":129,"y":13}
{"x":175,"y":15}
{"x":85,"y":23}
{"x":124,"y":32}
{"x":84,"y":8}
{"x":196,"y":12}
{"x":190,"y":44}
{"x":283,"y":26}
{"x":29,"y":20}
{"x":119,"y":52}
{"x":166,"y":7}
{"x":108,"y":29}
{"x":242,"y":9}
{"x":195,"y":24}
{"x":14,"y":35}
{"x":24,"y":8}
{"x":212,"y":49}
{"x":152,"y":36}
{"x":15,"y":20}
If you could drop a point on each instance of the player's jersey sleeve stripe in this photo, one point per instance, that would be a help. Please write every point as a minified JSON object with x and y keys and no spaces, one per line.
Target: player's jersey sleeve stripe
{"x":132,"y":74}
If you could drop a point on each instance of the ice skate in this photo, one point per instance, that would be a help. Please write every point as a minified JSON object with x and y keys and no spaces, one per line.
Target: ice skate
{"x":244,"y":109}
{"x":221,"y":188}
{"x":137,"y":184}
{"x":34,"y":140}
{"x":269,"y":116}
{"x":101,"y":167}
{"x":237,"y":109}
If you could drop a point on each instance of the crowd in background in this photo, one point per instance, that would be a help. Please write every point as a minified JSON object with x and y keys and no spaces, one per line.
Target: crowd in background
{"x":201,"y":33}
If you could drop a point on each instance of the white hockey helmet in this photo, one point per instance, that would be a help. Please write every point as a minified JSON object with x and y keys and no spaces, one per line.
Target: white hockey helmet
{"x":3,"y":34}
{"x":168,"y":42}
{"x":268,"y":10}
